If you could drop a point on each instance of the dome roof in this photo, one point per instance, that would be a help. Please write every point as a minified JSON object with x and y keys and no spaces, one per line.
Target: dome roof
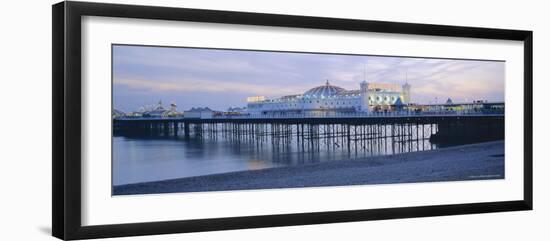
{"x":324,"y":90}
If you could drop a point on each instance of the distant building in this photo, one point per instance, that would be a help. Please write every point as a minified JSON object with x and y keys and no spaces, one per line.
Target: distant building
{"x":173,"y":111}
{"x":328,"y":98}
{"x":232,"y":111}
{"x":158,"y":111}
{"x":200,"y":113}
{"x":118,"y":113}
{"x":236,"y":109}
{"x":255,"y":98}
{"x":135,"y":114}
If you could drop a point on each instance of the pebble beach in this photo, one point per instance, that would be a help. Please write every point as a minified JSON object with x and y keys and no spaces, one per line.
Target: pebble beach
{"x":467,"y":162}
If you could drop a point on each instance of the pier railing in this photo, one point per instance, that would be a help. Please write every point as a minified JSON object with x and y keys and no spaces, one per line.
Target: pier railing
{"x":361,"y":114}
{"x":337,"y":115}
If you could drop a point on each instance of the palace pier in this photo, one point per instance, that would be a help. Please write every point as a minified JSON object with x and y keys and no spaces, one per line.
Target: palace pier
{"x":333,"y":131}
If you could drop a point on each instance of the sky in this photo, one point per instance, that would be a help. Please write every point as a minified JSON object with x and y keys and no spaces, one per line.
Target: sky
{"x":219,"y":79}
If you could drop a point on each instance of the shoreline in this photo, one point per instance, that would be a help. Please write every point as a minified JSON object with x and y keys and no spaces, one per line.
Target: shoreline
{"x":480,"y":161}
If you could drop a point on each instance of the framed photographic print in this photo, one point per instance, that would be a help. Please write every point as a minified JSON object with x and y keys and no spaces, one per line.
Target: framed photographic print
{"x":170,"y":120}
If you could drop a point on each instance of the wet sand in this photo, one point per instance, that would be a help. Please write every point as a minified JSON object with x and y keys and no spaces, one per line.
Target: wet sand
{"x":466,"y":162}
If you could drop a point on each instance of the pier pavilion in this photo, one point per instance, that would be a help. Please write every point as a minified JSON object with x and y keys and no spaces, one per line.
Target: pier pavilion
{"x":328,"y":98}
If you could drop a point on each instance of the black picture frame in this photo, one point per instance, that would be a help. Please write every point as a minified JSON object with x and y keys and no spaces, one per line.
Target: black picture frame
{"x":66,"y":159}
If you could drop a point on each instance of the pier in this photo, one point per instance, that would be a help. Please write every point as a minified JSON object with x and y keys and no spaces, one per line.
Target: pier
{"x":329,"y":131}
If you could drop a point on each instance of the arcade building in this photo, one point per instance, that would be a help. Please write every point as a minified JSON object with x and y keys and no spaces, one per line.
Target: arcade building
{"x":330,"y":99}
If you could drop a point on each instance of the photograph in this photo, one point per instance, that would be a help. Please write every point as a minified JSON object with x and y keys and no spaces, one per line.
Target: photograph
{"x":189,"y":119}
{"x":275,"y":120}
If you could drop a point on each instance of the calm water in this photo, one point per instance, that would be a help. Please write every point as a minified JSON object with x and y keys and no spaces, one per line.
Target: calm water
{"x":159,"y":158}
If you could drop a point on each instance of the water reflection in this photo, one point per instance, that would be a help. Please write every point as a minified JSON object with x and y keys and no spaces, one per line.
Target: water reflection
{"x":152,"y":158}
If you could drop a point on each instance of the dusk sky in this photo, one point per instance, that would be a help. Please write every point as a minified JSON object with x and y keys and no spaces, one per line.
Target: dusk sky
{"x":224,"y":78}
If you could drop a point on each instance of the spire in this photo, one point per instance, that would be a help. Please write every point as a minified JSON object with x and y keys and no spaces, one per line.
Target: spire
{"x":406,"y":85}
{"x":365,"y":72}
{"x":327,"y":83}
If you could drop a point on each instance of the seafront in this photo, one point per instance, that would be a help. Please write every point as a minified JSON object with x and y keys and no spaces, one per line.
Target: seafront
{"x":466,"y":162}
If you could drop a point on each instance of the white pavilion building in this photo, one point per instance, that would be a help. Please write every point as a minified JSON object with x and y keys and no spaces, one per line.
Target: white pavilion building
{"x":327,"y":98}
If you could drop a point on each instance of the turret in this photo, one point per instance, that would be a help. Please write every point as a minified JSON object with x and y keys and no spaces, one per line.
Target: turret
{"x":364,"y":96}
{"x":406,"y":89}
{"x":173,"y":107}
{"x":364,"y":86}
